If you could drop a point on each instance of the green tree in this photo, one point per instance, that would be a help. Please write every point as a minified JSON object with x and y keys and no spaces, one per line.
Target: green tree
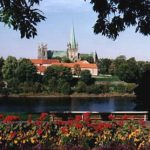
{"x":26,"y":71}
{"x":1,"y":65}
{"x":87,"y":58}
{"x":128,"y":71}
{"x":80,"y":87}
{"x":21,"y":15}
{"x":86,"y":77}
{"x":9,"y":68}
{"x":52,"y":85}
{"x":105,"y":65}
{"x":114,"y":16}
{"x":66,"y":60}
{"x":63,"y":87}
{"x":59,"y":72}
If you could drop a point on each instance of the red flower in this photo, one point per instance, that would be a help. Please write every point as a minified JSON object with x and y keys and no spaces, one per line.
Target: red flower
{"x":38,"y":123}
{"x":142,"y":122}
{"x":39,"y":131}
{"x":86,"y":117}
{"x":43,"y":116}
{"x":1,"y":116}
{"x":78,"y":126}
{"x":13,"y":134}
{"x":120,"y":123}
{"x":78,"y":118}
{"x":111,"y":117}
{"x":125,"y":117}
{"x":10,"y":118}
{"x":64,"y":130}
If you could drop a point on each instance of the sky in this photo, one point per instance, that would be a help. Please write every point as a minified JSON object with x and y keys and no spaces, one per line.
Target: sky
{"x":55,"y":32}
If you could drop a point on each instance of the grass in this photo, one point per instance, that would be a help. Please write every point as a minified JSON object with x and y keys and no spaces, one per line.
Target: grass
{"x":107,"y":78}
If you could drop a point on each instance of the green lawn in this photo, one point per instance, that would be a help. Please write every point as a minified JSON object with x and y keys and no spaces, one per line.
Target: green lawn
{"x":106,"y":78}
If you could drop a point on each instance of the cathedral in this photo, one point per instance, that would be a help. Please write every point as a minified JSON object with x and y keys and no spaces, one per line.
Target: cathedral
{"x":71,"y":52}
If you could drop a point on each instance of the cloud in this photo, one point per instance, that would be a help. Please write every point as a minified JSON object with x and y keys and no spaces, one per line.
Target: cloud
{"x":64,"y":5}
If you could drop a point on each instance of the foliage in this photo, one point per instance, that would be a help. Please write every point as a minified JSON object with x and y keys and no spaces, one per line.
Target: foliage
{"x":142,"y":90}
{"x":26,"y":71}
{"x":116,"y":15}
{"x":9,"y":68}
{"x":63,"y":87}
{"x":21,"y":15}
{"x":1,"y":65}
{"x":88,"y":58}
{"x":93,"y":89}
{"x":105,"y":65}
{"x":77,"y":133}
{"x":66,"y":60}
{"x":59,"y":72}
{"x":80,"y":87}
{"x":86,"y":77}
{"x":128,"y":71}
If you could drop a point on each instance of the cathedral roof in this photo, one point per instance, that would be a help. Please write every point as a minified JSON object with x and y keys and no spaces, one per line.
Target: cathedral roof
{"x":56,"y":53}
{"x":73,"y":39}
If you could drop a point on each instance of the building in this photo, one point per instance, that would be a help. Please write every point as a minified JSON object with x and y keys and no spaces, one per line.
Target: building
{"x":71,"y":52}
{"x":50,"y":57}
{"x":42,"y":64}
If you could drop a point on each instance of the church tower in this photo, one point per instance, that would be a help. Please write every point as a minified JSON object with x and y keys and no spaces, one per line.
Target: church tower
{"x":72,"y":47}
{"x":42,"y":51}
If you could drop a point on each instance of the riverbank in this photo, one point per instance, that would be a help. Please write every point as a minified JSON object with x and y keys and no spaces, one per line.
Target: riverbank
{"x":75,"y":95}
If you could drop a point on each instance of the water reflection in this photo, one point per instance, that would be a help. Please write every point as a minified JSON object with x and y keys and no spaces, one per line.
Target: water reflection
{"x":66,"y":104}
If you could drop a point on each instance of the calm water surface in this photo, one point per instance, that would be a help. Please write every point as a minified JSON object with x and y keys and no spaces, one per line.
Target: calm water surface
{"x":66,"y":104}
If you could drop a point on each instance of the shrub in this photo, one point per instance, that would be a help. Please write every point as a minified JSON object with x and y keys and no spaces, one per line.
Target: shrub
{"x":80,"y":87}
{"x":95,"y":89}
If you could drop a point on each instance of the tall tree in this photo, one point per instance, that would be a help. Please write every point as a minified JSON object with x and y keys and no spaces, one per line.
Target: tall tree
{"x":128,"y":71}
{"x":21,"y":15}
{"x":114,"y":16}
{"x":104,"y":65}
{"x":1,"y":65}
{"x":9,"y":68}
{"x":26,"y":71}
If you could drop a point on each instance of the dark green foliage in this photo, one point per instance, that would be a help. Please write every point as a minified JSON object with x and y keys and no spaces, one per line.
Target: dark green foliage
{"x":59,"y":72}
{"x":128,"y":71}
{"x":88,"y":58}
{"x":21,"y":15}
{"x":80,"y":87}
{"x":1,"y":65}
{"x":52,"y":85}
{"x":93,"y":89}
{"x":63,"y":87}
{"x":26,"y":71}
{"x":27,"y":87}
{"x":105,"y":65}
{"x":9,"y":68}
{"x":66,"y":60}
{"x":86,"y":77}
{"x":143,"y":91}
{"x":116,"y":15}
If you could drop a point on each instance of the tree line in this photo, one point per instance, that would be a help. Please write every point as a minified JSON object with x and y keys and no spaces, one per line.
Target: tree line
{"x":20,"y":76}
{"x":128,"y":70}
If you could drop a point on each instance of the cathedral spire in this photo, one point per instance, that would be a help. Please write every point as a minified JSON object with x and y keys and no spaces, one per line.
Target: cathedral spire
{"x":73,"y":39}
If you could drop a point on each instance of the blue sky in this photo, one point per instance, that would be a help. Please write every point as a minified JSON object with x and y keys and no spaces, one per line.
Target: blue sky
{"x":55,"y":31}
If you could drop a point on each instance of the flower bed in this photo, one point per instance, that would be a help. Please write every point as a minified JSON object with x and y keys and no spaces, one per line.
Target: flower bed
{"x":77,"y":134}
